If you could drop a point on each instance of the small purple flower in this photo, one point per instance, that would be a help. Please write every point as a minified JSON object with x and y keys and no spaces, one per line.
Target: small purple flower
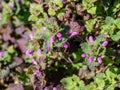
{"x":66,"y":45}
{"x":34,"y":62}
{"x":36,"y":72}
{"x":91,"y":39}
{"x":84,"y":55}
{"x":10,"y":5}
{"x":105,"y":43}
{"x":39,"y":51}
{"x":59,"y":35}
{"x":44,"y":28}
{"x":99,"y":60}
{"x":1,"y":53}
{"x":53,"y":39}
{"x":71,"y":33}
{"x":29,"y":52}
{"x":54,"y":88}
{"x":91,"y":59}
{"x":74,"y":33}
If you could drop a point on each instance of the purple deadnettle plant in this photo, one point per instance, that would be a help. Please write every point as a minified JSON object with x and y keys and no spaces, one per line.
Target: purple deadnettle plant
{"x":91,"y":39}
{"x":105,"y":43}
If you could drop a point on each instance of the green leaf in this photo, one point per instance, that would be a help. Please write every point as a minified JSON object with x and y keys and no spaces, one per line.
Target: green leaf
{"x":85,"y":47}
{"x":51,"y":12}
{"x":33,"y":18}
{"x":116,"y":37}
{"x":100,"y":83}
{"x":90,"y":24}
{"x":92,"y":10}
{"x":111,"y":87}
{"x":59,"y":3}
{"x":109,"y":20}
{"x":117,"y":23}
{"x":4,"y":19}
{"x":67,"y":82}
{"x":36,"y":9}
{"x":10,"y":49}
{"x":110,"y":73}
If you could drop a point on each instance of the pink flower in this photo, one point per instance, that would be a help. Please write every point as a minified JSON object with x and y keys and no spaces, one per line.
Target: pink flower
{"x":34,"y":62}
{"x":29,"y":52}
{"x":99,"y":60}
{"x":71,"y":33}
{"x":54,"y":88}
{"x":59,"y":35}
{"x":91,"y":59}
{"x":105,"y":43}
{"x":53,"y":39}
{"x":44,"y":28}
{"x":74,"y":33}
{"x":91,"y":39}
{"x":10,"y":5}
{"x":84,"y":55}
{"x":39,"y":51}
{"x":66,"y":45}
{"x":36,"y":72}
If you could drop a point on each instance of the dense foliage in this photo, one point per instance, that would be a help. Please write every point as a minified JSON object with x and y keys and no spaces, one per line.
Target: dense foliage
{"x":59,"y":44}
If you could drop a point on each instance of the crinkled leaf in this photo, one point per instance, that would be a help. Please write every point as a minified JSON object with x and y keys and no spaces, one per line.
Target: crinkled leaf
{"x":90,"y":24}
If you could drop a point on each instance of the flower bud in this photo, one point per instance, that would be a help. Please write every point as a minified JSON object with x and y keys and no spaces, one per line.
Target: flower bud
{"x":54,"y":88}
{"x":34,"y":62}
{"x":52,"y":39}
{"x":91,"y":39}
{"x":10,"y":5}
{"x":84,"y":55}
{"x":91,"y":59}
{"x":29,"y":52}
{"x":105,"y":43}
{"x":66,"y":45}
{"x":99,"y":60}
{"x":59,"y":35}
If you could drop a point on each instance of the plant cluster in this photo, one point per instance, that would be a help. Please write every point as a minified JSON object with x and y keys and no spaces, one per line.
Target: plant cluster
{"x":64,"y":44}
